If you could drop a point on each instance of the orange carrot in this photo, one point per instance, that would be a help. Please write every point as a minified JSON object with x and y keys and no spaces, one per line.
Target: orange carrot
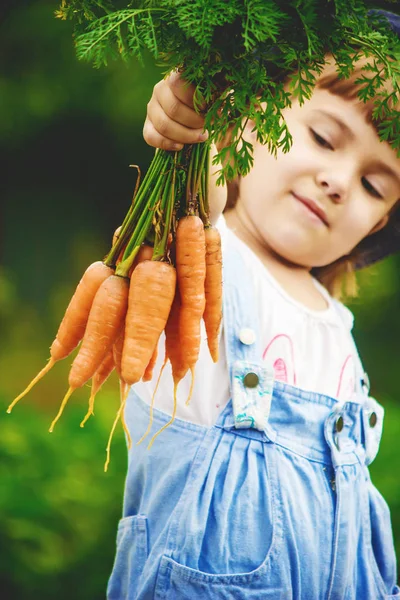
{"x":101,"y":375}
{"x":191,"y":273}
{"x":173,"y":354}
{"x":213,"y":289}
{"x":151,"y":293}
{"x":145,"y":253}
{"x":72,"y":327}
{"x":148,"y":374}
{"x":173,"y":350}
{"x":104,"y":324}
{"x":117,"y":351}
{"x":105,"y":321}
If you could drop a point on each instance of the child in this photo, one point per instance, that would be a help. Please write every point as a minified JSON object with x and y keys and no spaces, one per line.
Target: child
{"x":260,"y":488}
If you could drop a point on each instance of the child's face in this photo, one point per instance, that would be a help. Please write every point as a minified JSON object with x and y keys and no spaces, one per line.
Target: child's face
{"x":340,"y":174}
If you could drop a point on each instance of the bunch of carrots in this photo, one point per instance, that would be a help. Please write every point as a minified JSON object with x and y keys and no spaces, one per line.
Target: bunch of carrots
{"x":163,"y":273}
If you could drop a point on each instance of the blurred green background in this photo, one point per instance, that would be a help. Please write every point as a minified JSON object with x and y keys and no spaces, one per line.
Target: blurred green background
{"x":67,"y":136}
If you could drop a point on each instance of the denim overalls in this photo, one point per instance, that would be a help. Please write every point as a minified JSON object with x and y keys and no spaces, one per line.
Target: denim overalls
{"x":274,"y":502}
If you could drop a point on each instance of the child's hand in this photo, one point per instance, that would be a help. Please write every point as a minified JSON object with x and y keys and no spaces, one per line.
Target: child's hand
{"x":171,"y":118}
{"x":172,"y":122}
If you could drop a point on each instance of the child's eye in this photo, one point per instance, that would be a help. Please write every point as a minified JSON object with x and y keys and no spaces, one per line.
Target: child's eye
{"x":320,"y":140}
{"x":371,"y":189}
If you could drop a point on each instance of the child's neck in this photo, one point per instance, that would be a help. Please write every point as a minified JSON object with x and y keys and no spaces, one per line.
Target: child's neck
{"x":297,"y":281}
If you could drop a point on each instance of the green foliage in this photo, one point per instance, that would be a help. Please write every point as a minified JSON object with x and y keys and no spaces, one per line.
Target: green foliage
{"x":82,"y":11}
{"x":57,"y":504}
{"x":124,"y":33}
{"x":247,"y":47}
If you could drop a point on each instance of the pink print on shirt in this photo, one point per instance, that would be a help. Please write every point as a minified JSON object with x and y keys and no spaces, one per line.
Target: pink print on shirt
{"x":280,"y":354}
{"x":346,"y":385}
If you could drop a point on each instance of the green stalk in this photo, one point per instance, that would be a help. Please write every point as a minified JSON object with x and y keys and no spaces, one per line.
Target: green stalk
{"x":204,"y":207}
{"x":160,"y":246}
{"x":197,"y":164}
{"x":156,"y":200}
{"x":157,"y":165}
{"x":206,"y":182}
{"x":193,"y":181}
{"x":144,"y":223}
{"x":203,"y":161}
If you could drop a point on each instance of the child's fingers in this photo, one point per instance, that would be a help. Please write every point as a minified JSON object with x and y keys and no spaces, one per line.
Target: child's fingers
{"x":183,"y":90}
{"x":155,"y":139}
{"x":167,"y":127}
{"x":175,"y":108}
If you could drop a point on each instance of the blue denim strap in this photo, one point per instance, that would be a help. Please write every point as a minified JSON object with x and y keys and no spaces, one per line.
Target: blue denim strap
{"x":251,"y":381}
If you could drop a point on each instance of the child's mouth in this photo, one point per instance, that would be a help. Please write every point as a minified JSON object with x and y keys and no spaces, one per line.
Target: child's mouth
{"x":316,"y":212}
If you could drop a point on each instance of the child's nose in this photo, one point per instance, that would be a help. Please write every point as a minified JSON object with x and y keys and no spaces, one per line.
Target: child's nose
{"x":334,"y":186}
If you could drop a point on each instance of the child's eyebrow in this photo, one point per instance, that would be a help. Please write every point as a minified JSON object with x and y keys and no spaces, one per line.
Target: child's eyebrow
{"x":347,"y":131}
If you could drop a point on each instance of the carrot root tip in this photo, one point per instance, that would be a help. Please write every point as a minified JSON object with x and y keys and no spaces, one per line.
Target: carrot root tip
{"x":152,"y":405}
{"x":167,"y":424}
{"x":39,"y":376}
{"x":191,"y":387}
{"x":124,"y":397}
{"x":63,"y":404}
{"x":90,"y":411}
{"x":120,"y":412}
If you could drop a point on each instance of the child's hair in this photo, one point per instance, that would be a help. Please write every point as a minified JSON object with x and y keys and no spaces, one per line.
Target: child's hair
{"x":339,"y":277}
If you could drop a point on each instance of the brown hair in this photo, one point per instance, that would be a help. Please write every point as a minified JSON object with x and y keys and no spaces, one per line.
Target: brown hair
{"x":339,"y":277}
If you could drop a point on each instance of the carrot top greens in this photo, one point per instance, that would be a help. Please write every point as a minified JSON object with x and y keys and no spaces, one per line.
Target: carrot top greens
{"x":234,"y":52}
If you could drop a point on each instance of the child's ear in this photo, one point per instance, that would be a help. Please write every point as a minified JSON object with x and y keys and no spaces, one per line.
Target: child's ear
{"x":380,"y":225}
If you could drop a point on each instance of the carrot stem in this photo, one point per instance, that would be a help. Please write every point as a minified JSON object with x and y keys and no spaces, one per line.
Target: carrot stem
{"x":202,"y":184}
{"x":167,"y":207}
{"x":143,"y":226}
{"x":151,"y":179}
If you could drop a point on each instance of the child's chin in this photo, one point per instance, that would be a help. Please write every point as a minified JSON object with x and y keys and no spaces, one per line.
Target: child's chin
{"x":295,"y":251}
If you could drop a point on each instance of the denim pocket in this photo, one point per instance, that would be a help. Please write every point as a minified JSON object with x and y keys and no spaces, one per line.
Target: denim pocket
{"x":227,"y":527}
{"x":131,"y":555}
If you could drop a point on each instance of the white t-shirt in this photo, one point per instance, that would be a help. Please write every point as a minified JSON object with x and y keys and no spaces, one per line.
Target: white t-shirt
{"x":310,"y":349}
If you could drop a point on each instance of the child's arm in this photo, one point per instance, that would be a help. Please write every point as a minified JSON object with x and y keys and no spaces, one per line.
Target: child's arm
{"x":171,"y":121}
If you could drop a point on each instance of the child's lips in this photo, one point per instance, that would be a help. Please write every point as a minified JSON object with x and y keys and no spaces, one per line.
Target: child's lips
{"x":313,"y":207}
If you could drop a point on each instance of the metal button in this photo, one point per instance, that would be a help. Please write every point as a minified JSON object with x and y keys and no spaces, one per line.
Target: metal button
{"x":247,"y":336}
{"x":373,"y":419}
{"x":251,"y":380}
{"x":339,"y":424}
